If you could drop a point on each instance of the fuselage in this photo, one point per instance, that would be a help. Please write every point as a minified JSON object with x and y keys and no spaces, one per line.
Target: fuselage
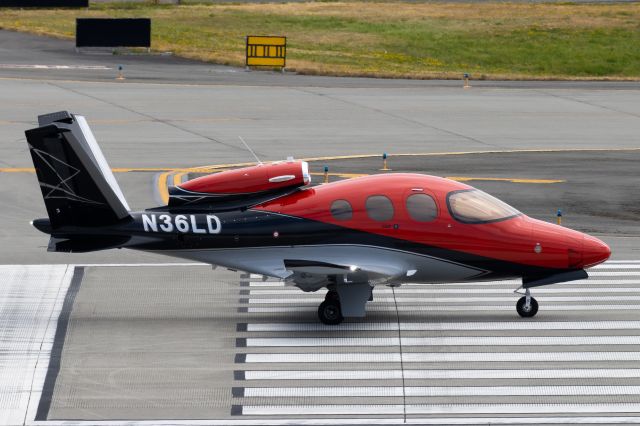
{"x":415,"y":221}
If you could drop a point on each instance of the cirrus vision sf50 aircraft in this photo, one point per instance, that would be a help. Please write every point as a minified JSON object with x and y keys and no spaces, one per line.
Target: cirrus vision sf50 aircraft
{"x":346,"y":236}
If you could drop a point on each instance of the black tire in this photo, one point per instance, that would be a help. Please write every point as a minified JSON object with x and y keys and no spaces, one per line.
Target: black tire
{"x":332,"y":295}
{"x":527,"y":313}
{"x":330,"y":313}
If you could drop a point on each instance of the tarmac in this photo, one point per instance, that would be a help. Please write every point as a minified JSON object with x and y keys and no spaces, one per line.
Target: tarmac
{"x":124,"y":336}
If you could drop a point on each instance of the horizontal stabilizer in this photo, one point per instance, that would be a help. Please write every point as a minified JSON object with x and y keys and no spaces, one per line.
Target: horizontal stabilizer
{"x":86,"y":243}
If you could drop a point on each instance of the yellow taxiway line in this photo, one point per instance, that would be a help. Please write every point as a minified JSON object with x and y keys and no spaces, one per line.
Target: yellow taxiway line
{"x":512,"y":180}
{"x":180,"y":172}
{"x":163,"y":189}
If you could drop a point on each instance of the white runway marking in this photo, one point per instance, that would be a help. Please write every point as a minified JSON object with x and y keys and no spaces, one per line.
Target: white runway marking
{"x":525,"y":341}
{"x":53,"y":67}
{"x":591,"y":291}
{"x":299,"y":361}
{"x":499,"y":284}
{"x":421,"y":300}
{"x":399,"y":420}
{"x":30,"y":301}
{"x":437,"y":391}
{"x":439,"y":357}
{"x":529,"y":374}
{"x":625,"y":265}
{"x":449,"y":409}
{"x":597,"y":390}
{"x":513,"y":325}
{"x":445,"y":308}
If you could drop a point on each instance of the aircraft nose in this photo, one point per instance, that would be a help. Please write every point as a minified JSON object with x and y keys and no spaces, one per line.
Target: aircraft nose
{"x":594,"y":251}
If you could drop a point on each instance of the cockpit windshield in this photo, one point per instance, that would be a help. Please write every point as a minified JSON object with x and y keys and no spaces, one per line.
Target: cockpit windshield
{"x":475,"y":206}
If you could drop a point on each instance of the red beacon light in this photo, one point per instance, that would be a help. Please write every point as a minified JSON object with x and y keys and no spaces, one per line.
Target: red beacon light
{"x":245,"y":183}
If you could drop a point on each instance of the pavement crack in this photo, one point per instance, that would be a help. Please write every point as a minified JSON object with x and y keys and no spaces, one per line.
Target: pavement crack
{"x":151,"y":117}
{"x":580,"y":101}
{"x":404,"y":393}
{"x":405,"y":119}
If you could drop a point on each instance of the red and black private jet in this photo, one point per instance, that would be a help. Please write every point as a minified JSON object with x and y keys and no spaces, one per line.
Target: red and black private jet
{"x":346,"y":236}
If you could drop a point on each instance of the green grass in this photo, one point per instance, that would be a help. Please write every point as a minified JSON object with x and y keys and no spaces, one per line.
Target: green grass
{"x":488,"y":40}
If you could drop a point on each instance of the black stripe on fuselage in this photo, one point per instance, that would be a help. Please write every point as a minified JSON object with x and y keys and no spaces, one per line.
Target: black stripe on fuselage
{"x":256,"y":228}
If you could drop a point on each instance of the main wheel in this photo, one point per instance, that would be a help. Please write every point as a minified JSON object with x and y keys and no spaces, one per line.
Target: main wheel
{"x":527,"y":311}
{"x":330,"y":313}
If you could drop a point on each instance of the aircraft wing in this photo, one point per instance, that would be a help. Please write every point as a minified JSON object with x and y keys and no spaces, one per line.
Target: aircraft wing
{"x":359,"y":272}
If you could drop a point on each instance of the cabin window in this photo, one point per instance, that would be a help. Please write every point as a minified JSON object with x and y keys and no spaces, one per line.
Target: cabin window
{"x":379,"y":208}
{"x":422,"y":208}
{"x":341,"y":210}
{"x":475,"y":206}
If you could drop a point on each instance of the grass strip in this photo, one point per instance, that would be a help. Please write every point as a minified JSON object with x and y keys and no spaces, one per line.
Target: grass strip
{"x":388,"y":39}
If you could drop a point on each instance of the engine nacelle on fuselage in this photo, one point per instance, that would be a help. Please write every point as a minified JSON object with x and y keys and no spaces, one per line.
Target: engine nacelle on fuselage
{"x":248,"y":185}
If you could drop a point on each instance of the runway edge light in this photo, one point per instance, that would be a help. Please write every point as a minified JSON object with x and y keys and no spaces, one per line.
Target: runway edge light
{"x":385,"y":165}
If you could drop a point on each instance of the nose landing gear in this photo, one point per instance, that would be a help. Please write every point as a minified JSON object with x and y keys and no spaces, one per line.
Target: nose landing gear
{"x":527,"y":306}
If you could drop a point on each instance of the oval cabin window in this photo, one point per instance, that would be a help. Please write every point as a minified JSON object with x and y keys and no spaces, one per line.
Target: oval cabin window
{"x":379,"y":208}
{"x":341,"y":210}
{"x":422,"y":208}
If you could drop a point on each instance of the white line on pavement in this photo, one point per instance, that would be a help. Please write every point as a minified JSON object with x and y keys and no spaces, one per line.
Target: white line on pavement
{"x":364,"y":357}
{"x":520,"y":373}
{"x":415,"y":326}
{"x":524,"y":341}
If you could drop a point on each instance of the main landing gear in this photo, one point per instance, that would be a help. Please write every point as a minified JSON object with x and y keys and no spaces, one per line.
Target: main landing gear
{"x":330,"y":311}
{"x":527,"y":306}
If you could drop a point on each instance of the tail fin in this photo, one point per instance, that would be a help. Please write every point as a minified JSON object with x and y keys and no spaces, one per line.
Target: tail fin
{"x":77,"y":184}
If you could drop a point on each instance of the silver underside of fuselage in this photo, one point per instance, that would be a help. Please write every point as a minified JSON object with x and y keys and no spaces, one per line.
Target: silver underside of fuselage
{"x":399,"y":266}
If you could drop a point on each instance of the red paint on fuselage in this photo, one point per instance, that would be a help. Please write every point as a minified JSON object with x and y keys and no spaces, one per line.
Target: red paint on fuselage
{"x":512,"y":240}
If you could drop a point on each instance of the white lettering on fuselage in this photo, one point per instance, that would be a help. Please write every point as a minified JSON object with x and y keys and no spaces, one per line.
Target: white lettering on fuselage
{"x":181,"y":223}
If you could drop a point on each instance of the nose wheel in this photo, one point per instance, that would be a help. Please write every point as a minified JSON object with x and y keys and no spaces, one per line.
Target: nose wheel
{"x":527,"y":306}
{"x":329,"y":311}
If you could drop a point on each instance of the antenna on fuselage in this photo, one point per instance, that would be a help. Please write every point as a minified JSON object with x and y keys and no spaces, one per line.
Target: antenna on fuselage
{"x":250,"y":150}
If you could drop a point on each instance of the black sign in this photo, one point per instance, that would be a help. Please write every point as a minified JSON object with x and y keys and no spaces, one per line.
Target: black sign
{"x":95,"y":32}
{"x":44,"y":3}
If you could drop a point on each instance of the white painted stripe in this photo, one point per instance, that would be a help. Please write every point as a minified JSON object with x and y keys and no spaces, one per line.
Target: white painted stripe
{"x":506,"y":283}
{"x":518,"y":283}
{"x":524,"y":341}
{"x":614,"y":274}
{"x":360,"y":421}
{"x":31,"y":299}
{"x":392,"y":326}
{"x":529,"y":374}
{"x":421,"y":300}
{"x":437,"y":357}
{"x":423,"y":290}
{"x":53,"y":67}
{"x":136,"y":265}
{"x":635,"y":275}
{"x":373,"y":307}
{"x":626,"y":265}
{"x":267,"y":284}
{"x":448,"y":409}
{"x":437,"y":391}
